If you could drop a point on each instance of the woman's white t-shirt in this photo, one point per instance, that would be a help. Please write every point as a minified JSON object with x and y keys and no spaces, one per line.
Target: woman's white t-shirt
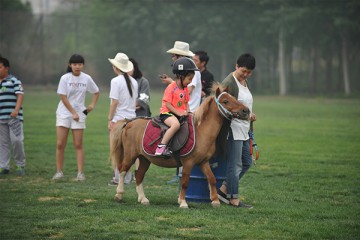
{"x":240,"y":128}
{"x":75,"y":88}
{"x":127,"y":104}
{"x":195,"y":96}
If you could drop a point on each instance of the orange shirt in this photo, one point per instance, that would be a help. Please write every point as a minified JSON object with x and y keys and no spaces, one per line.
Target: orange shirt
{"x":176,"y":96}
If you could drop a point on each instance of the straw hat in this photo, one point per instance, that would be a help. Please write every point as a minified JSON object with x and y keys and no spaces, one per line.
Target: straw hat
{"x":121,"y":61}
{"x":181,"y":48}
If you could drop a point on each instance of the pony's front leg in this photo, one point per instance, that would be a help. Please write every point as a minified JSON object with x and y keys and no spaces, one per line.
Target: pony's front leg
{"x":205,"y":168}
{"x":184,"y":184}
{"x":120,"y":188}
{"x":141,"y":195}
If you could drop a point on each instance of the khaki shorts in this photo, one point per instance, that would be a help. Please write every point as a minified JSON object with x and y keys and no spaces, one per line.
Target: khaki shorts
{"x":70,"y":123}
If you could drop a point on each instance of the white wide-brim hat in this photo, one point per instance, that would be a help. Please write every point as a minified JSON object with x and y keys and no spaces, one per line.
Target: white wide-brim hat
{"x":181,"y":48}
{"x":122,"y":62}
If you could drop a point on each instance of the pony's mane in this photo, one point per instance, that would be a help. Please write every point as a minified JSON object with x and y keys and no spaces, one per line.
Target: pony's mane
{"x":215,"y":86}
{"x":200,"y":113}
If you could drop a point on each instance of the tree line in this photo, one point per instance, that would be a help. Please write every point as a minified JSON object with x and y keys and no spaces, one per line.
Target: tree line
{"x":302,"y":47}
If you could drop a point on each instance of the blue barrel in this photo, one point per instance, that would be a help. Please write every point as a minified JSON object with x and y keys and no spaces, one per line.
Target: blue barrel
{"x":198,"y":188}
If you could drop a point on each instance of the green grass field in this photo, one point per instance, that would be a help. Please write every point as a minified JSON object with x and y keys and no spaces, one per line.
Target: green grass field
{"x":306,"y":184}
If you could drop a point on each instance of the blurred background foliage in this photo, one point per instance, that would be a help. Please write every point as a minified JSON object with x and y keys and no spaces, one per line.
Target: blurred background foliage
{"x":307,"y":47}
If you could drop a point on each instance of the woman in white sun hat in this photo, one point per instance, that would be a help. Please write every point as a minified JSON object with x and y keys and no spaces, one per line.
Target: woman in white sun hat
{"x":123,"y":95}
{"x":71,"y":113}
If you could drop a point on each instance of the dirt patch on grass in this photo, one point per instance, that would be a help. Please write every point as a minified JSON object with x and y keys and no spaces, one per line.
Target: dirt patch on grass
{"x":44,"y":199}
{"x":38,"y":181}
{"x":264,"y":167}
{"x":189,"y":229}
{"x":154,"y":186}
{"x":89,"y":200}
{"x":57,"y":235}
{"x":16,"y":179}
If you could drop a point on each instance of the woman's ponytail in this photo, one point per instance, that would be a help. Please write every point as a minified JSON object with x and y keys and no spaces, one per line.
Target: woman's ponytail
{"x":128,"y":83}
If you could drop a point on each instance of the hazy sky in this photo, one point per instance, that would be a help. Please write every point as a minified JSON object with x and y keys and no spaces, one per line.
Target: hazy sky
{"x":43,"y":6}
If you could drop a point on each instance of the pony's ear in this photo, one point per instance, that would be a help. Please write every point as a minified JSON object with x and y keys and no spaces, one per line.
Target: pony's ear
{"x":217,"y":92}
{"x":226,"y":89}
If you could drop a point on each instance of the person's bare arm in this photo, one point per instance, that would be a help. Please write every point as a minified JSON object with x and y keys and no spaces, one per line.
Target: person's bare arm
{"x":19,"y":101}
{"x":190,"y":89}
{"x":113,"y":106}
{"x":165,"y":79}
{"x":252,"y":117}
{"x":175,"y":111}
{"x":67,"y":104}
{"x":93,"y":102}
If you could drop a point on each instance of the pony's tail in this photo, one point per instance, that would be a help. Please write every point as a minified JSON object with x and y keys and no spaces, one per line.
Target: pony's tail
{"x":117,"y":153}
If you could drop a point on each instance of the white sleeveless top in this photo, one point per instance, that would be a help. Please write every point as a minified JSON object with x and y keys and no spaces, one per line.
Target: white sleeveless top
{"x":240,"y":128}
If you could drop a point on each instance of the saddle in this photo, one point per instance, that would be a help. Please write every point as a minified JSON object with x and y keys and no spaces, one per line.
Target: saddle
{"x":181,"y":144}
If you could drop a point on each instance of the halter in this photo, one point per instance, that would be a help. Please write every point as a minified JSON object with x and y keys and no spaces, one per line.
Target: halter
{"x":226,"y":113}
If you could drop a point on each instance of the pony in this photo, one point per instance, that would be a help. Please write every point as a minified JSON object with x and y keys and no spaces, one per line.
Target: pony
{"x":126,"y":145}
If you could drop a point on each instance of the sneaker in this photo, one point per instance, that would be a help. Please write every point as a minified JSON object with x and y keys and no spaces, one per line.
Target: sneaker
{"x":241,"y":205}
{"x":113,"y":183}
{"x":20,"y":170}
{"x":128,"y":178}
{"x":4,"y":171}
{"x":175,"y":179}
{"x":58,"y":175}
{"x":222,"y":197}
{"x":159,"y":150}
{"x":80,"y":177}
{"x":163,"y":150}
{"x":167,"y":152}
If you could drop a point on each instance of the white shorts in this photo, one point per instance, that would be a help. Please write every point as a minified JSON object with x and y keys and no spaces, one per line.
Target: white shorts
{"x":69,"y":123}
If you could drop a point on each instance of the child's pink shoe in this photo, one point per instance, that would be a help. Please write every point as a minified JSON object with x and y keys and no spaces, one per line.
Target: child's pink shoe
{"x":163,"y":150}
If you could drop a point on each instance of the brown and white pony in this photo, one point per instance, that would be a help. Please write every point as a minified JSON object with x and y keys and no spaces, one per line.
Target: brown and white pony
{"x":208,"y":120}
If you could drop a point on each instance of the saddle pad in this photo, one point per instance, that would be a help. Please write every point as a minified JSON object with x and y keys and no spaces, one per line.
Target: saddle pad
{"x":152,"y":138}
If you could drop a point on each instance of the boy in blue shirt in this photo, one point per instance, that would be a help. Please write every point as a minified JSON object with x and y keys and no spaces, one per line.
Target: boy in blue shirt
{"x":11,"y":120}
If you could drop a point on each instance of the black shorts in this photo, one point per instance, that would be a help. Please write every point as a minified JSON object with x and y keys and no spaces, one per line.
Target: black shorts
{"x":164,"y":116}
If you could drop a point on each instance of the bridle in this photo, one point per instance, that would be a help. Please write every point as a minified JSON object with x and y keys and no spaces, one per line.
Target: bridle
{"x":226,"y":113}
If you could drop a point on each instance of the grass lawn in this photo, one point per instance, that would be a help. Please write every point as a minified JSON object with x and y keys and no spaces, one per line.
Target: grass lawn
{"x":306,"y":184}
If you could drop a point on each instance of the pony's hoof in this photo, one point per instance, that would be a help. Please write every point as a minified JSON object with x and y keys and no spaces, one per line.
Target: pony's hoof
{"x":184,"y":205}
{"x":215,"y":204}
{"x":117,"y":199}
{"x":145,"y":202}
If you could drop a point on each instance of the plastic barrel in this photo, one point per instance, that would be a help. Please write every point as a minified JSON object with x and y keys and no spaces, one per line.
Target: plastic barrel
{"x":198,"y":188}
